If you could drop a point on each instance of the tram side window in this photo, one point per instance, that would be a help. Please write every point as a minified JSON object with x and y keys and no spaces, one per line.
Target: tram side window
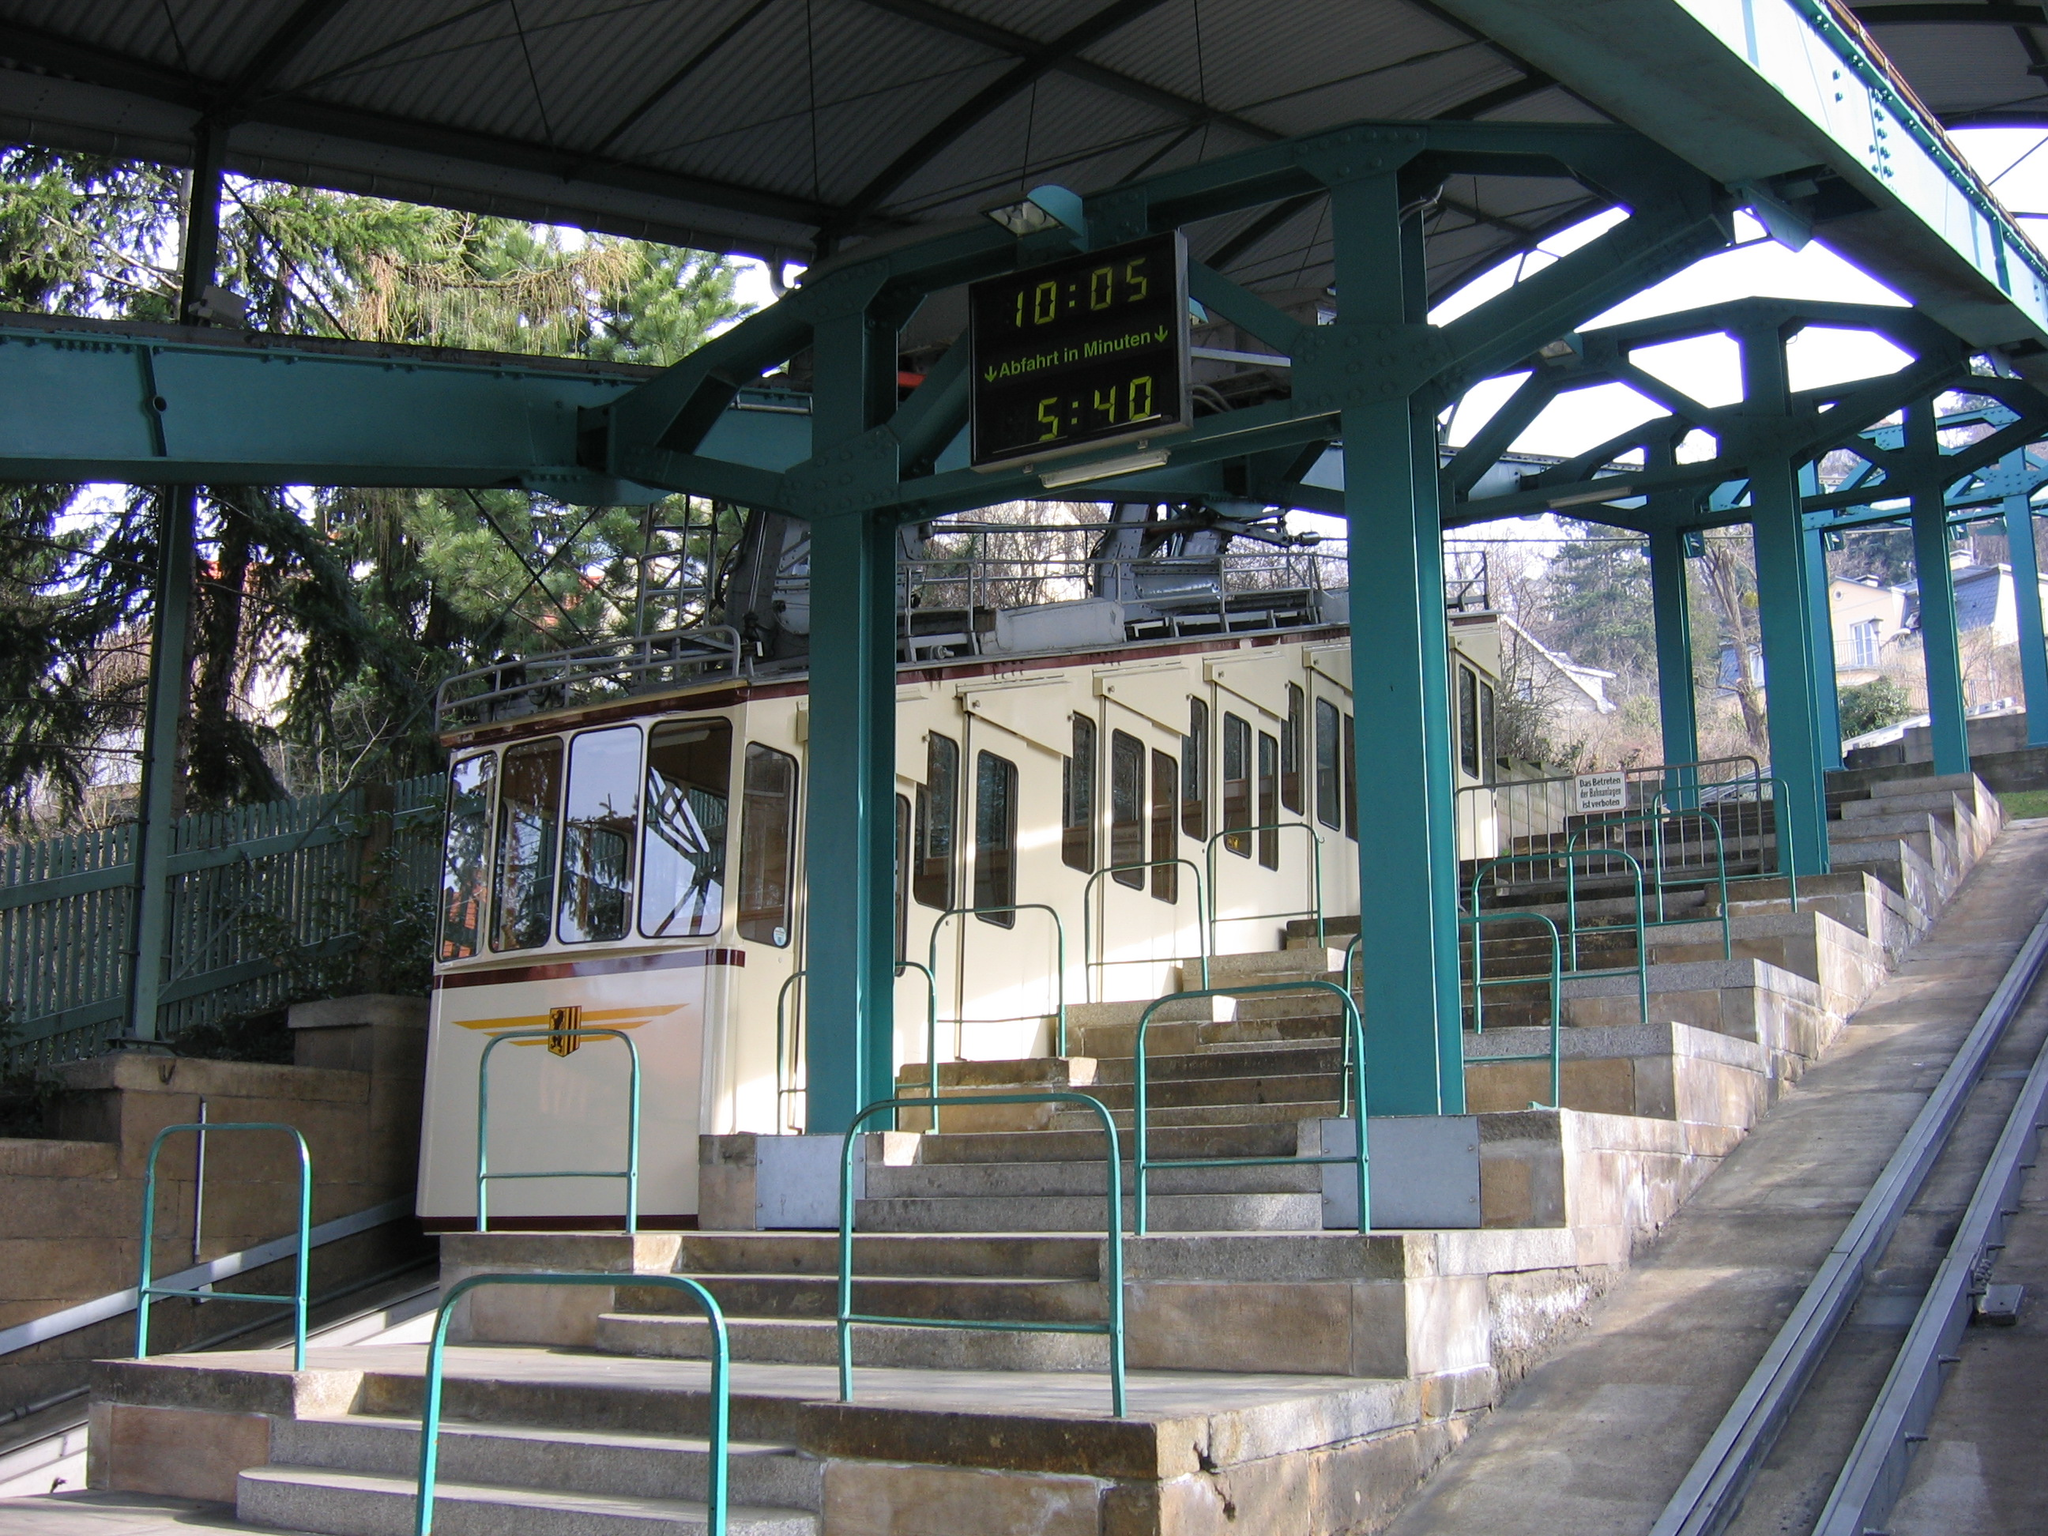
{"x":529,"y":805}
{"x":1237,"y":782}
{"x":1351,"y":778}
{"x":465,"y":893}
{"x":1468,"y":721}
{"x":602,"y":813}
{"x":1194,"y":773}
{"x":767,"y":845}
{"x":1165,"y":812}
{"x":1291,"y":749}
{"x":682,"y":854}
{"x":1269,"y":801}
{"x":1077,"y":800}
{"x":995,"y":837}
{"x":902,"y":875}
{"x":1329,"y":764}
{"x":1486,"y":706}
{"x":1126,"y":809}
{"x":938,"y":800}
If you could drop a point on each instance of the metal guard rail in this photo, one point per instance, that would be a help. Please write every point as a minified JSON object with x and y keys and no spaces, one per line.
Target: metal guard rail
{"x":1353,"y":1076}
{"x":145,"y":1291}
{"x":1113,"y":1328}
{"x":1642,"y":965}
{"x":1059,"y":935}
{"x":1656,"y":820}
{"x":1087,"y":928}
{"x":630,"y":1173}
{"x":1788,"y":857}
{"x":1555,"y":1055}
{"x":931,"y":1035}
{"x":721,"y":1386}
{"x":1315,"y":854}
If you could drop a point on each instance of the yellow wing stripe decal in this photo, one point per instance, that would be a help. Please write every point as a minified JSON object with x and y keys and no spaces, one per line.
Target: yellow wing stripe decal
{"x":608,"y":1018}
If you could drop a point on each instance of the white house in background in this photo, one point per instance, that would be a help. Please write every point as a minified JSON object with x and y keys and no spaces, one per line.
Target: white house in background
{"x":1985,"y":599}
{"x":1868,"y":618}
{"x":1555,"y":677}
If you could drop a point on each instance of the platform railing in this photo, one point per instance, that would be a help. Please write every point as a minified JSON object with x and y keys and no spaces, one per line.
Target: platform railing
{"x":1090,"y":965}
{"x":146,"y":1290}
{"x":1788,"y":856}
{"x":931,"y":1029}
{"x":716,"y":1472}
{"x":1352,"y":1075}
{"x":1574,"y":930}
{"x":630,"y":1173}
{"x":787,"y":1060}
{"x":1660,"y":870}
{"x":1113,"y":1282}
{"x":1315,"y":863}
{"x":1059,"y":930}
{"x":1476,"y":921}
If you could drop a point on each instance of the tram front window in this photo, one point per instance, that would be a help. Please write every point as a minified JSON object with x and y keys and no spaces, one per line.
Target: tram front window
{"x":682,"y":854}
{"x":464,"y":893}
{"x":529,"y":802}
{"x":597,"y":835}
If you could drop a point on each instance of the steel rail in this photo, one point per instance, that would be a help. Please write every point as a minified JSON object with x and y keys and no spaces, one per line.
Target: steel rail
{"x":1712,"y":1491}
{"x":1875,"y":1474}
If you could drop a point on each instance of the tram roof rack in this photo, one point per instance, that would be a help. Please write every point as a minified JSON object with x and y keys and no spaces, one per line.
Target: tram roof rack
{"x":610,"y":670}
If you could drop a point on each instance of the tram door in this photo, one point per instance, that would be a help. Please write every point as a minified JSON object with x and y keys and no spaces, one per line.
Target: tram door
{"x":1000,"y":954}
{"x":1141,"y":917}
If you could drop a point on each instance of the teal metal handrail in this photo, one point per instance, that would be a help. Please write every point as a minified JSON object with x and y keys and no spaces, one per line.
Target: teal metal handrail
{"x":1655,"y":820}
{"x":782,"y":1091}
{"x":145,"y":1290}
{"x":721,"y":1386}
{"x":1568,"y":858}
{"x":1113,"y":1328}
{"x":1087,"y":888}
{"x":1059,"y":935}
{"x":630,"y":1173}
{"x":1353,"y":1077}
{"x":1315,"y":855}
{"x":931,"y":1030}
{"x":1555,"y":1055}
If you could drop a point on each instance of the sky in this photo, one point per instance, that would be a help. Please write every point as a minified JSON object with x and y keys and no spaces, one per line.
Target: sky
{"x":2012,"y":159}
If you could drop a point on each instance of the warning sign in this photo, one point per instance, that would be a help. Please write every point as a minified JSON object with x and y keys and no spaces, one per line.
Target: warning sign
{"x":1601,"y":794}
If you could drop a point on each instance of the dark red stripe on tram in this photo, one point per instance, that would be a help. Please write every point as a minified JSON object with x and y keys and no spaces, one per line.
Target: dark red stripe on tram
{"x":561,"y":970}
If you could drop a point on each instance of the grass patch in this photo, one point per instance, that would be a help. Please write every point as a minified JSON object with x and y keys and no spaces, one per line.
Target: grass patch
{"x":2025,"y":803}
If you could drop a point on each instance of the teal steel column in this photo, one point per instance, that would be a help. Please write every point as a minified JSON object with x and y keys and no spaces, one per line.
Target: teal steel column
{"x":850,"y":817}
{"x":170,"y":627}
{"x":1671,"y":604}
{"x":1407,"y":850}
{"x":1820,"y":631}
{"x":2026,"y":589}
{"x":1948,"y":723}
{"x":1781,"y":604}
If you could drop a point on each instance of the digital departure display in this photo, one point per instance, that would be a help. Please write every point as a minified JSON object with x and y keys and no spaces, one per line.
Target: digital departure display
{"x":1082,"y":351}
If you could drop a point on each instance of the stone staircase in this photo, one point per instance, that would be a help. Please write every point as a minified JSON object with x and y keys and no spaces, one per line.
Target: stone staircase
{"x":1284,"y":1376}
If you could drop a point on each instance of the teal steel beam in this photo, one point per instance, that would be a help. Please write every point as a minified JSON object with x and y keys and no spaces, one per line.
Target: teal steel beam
{"x":1781,"y":602}
{"x":850,"y":817}
{"x":1948,"y":721}
{"x":1407,"y":853}
{"x":2026,"y":586}
{"x":1820,"y":638}
{"x":1671,"y":606}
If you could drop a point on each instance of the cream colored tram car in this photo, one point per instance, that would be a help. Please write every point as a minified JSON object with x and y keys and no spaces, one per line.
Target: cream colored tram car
{"x":639,"y":867}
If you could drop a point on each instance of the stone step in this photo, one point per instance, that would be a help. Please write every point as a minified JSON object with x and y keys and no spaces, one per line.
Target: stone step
{"x":1111,"y":1041}
{"x":1080,"y":1213}
{"x":1082,"y":1016}
{"x":1251,"y":1059}
{"x":1262,"y":966}
{"x":995,"y":1181}
{"x":1263,"y":1138}
{"x":909,"y":1254}
{"x":1207,"y":1115}
{"x":804,"y":1341}
{"x":381,"y":1504}
{"x":578,"y":1461}
{"x":965,"y":1297}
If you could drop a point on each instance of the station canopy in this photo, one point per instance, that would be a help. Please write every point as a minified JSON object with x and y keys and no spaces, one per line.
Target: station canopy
{"x":789,"y":128}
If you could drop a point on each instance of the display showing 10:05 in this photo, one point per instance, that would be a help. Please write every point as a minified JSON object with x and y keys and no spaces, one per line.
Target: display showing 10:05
{"x":1122,"y":404}
{"x":1044,"y":299}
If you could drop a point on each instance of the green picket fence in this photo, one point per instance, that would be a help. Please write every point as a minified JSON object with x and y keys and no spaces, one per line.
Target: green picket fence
{"x":253,"y":890}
